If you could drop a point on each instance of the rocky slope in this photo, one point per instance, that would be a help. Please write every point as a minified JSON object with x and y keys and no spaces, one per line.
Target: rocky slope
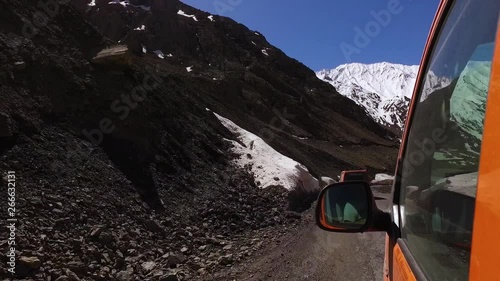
{"x":122,"y":173}
{"x":240,"y":76}
{"x":384,"y":89}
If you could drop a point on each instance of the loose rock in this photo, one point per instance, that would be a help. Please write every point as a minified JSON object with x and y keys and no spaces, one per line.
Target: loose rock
{"x":226,"y":260}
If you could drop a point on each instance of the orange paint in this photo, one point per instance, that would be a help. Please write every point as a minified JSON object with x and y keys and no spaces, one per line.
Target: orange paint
{"x":402,"y":270}
{"x":386,"y":259}
{"x":485,"y":237}
{"x":344,"y":173}
{"x":323,"y":218}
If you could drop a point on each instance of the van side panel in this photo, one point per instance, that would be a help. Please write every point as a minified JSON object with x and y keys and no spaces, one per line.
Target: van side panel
{"x":402,"y":270}
{"x":485,"y":239}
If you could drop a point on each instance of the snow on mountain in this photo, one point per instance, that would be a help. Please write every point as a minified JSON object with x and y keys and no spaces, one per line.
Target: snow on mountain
{"x":159,"y":53}
{"x":383,"y":89}
{"x":268,"y":166}
{"x":182,"y":13}
{"x":125,"y":4}
{"x":469,"y":97}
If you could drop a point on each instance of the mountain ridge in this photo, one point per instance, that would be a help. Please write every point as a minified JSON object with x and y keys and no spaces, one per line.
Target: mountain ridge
{"x":383,"y":89}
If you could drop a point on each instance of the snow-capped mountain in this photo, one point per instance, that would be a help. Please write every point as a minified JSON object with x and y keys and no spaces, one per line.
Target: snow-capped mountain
{"x":469,"y":97}
{"x":383,"y":89}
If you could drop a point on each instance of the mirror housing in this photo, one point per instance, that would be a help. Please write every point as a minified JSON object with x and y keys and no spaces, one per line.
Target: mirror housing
{"x":350,"y":207}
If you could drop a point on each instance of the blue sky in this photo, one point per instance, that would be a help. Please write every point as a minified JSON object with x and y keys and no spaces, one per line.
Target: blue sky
{"x":321,"y":33}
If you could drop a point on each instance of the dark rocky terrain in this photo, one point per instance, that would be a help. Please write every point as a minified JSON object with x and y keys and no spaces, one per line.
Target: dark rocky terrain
{"x":121,"y":173}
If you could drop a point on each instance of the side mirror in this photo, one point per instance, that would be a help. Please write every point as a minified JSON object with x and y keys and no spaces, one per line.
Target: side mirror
{"x":350,"y":207}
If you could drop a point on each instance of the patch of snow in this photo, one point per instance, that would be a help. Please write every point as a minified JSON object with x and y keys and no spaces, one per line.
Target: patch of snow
{"x":264,"y":51}
{"x":142,"y":27}
{"x":328,"y":180}
{"x":254,"y":43}
{"x":144,"y":50}
{"x":91,"y":4}
{"x":382,"y":177}
{"x":123,"y":3}
{"x":268,"y":166}
{"x":189,"y":68}
{"x":159,"y":53}
{"x":256,"y":33}
{"x":211,"y":18}
{"x":126,"y":3}
{"x":181,"y":12}
{"x":215,"y":79}
{"x":170,"y":55}
{"x":300,"y":138}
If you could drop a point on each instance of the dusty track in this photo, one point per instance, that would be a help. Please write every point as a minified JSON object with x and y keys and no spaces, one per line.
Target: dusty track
{"x":313,"y":254}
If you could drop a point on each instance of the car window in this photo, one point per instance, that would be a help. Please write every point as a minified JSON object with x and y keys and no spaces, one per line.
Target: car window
{"x":354,"y":177}
{"x":441,"y":159}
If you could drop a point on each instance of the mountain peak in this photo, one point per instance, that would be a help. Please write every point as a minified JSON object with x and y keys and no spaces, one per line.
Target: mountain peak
{"x":383,"y":89}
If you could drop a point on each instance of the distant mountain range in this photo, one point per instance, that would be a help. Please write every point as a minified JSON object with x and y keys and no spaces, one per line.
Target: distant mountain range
{"x":383,"y":89}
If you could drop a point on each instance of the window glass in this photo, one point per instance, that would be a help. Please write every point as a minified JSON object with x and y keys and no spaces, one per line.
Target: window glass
{"x":441,"y":160}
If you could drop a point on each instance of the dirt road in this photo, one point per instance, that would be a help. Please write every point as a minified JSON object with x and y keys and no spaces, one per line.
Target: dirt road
{"x":313,"y":254}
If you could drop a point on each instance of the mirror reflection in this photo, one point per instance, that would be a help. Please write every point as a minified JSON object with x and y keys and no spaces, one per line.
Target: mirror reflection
{"x":346,"y":206}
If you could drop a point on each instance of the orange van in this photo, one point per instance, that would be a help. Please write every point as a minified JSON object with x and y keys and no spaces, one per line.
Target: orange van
{"x":443,"y":222}
{"x":354,"y":175}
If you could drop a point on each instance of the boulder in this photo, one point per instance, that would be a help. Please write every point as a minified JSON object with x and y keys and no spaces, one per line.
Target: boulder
{"x":148,"y":266}
{"x":19,"y":65}
{"x":105,"y":238}
{"x":125,"y":275}
{"x":226,"y":260}
{"x":27,"y":266}
{"x":96,"y":231}
{"x":30,"y":262}
{"x":154,"y":226}
{"x":114,"y":55}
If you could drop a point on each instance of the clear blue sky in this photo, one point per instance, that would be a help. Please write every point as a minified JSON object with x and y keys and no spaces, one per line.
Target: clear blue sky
{"x":313,"y":31}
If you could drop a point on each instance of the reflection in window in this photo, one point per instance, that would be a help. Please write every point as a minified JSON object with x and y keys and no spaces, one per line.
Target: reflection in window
{"x":441,"y":160}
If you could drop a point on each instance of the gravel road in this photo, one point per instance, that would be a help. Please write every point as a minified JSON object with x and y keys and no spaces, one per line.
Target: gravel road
{"x":313,"y":254}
